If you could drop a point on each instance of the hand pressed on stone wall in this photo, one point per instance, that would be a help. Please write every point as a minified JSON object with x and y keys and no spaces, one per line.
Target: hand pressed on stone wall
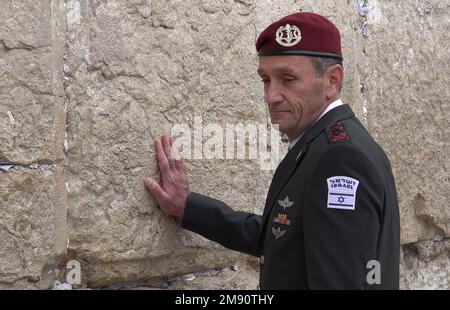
{"x":172,"y":194}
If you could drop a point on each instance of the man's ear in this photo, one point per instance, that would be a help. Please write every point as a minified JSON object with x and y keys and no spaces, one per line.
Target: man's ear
{"x":335,"y":78}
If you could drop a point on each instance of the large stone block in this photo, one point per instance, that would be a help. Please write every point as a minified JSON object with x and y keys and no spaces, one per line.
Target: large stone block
{"x":33,"y":227}
{"x":33,"y":206}
{"x":405,"y":82}
{"x":31,"y":81}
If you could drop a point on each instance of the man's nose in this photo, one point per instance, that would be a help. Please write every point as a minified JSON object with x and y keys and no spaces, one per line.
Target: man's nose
{"x":272,"y":94}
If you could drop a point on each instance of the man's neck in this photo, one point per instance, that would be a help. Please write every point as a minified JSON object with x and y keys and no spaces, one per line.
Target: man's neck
{"x":325,"y":110}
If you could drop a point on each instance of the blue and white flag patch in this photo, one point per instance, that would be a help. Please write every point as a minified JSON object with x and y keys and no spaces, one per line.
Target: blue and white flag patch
{"x":342,"y":192}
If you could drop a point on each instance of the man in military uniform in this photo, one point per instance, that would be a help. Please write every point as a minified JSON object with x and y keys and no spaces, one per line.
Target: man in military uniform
{"x":331,"y":219}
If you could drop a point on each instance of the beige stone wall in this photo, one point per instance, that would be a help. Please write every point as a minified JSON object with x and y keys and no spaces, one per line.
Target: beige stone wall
{"x":87,"y":85}
{"x":33,"y":204}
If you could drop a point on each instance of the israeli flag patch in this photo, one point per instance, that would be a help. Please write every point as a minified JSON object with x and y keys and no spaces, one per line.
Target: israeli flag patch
{"x":342,"y":192}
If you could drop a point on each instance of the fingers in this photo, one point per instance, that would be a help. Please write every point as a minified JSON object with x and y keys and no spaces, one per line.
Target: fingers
{"x":180,"y":163}
{"x":167,"y":146}
{"x":163,"y":163}
{"x":155,"y":190}
{"x":170,"y":155}
{"x":178,"y":156}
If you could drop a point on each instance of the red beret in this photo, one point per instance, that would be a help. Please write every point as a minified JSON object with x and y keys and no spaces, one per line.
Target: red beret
{"x":301,"y":33}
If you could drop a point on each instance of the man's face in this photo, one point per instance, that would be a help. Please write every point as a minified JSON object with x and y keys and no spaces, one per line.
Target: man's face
{"x":293,"y":92}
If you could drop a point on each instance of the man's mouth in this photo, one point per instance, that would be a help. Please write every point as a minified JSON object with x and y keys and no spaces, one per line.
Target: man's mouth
{"x":282,"y":111}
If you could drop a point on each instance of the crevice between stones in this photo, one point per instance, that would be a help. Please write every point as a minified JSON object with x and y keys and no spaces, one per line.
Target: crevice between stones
{"x":362,"y":30}
{"x":43,"y":165}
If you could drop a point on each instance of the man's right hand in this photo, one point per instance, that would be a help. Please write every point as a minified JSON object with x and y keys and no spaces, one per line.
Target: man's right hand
{"x":172,"y":195}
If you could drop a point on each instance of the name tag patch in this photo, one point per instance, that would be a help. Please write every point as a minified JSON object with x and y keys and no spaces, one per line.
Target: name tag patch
{"x":342,"y":192}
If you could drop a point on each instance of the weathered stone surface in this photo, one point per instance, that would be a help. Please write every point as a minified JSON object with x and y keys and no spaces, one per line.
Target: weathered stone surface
{"x":33,"y":228}
{"x":405,"y":82}
{"x":425,"y":265}
{"x":31,"y":81}
{"x":33,"y":222}
{"x":242,"y":277}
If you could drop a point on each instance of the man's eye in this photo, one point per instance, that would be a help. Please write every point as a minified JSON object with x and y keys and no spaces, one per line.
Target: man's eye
{"x":287,"y":80}
{"x":265,"y":81}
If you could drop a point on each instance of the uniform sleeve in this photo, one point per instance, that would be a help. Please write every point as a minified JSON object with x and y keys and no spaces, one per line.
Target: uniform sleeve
{"x":340,"y":230}
{"x":216,"y":221}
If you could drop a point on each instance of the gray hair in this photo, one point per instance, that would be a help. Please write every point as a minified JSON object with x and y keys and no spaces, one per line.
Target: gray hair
{"x":321,"y":64}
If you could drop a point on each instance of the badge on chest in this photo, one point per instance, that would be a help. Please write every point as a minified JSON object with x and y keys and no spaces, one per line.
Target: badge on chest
{"x":281,"y":221}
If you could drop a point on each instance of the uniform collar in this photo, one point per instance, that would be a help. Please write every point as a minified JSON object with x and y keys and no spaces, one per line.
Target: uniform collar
{"x":330,"y":107}
{"x":337,"y":114}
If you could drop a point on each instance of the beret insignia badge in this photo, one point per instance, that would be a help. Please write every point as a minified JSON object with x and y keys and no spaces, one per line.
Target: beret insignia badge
{"x":288,"y":35}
